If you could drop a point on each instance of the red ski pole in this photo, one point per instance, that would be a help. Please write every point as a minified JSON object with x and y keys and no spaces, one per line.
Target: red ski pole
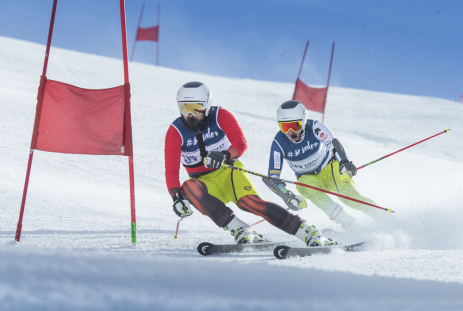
{"x":446,"y":131}
{"x":258,"y":222}
{"x":308,"y":186}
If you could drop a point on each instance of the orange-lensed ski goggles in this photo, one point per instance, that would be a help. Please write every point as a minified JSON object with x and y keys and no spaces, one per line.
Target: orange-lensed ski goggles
{"x":296,"y":126}
{"x":194,"y":108}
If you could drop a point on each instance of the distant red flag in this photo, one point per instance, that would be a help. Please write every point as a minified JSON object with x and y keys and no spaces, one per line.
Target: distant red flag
{"x":312,"y":98}
{"x":70,"y":119}
{"x":148,"y":34}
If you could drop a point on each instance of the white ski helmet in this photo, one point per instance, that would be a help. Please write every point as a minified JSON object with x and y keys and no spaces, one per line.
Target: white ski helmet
{"x":195,"y":92}
{"x":292,"y":110}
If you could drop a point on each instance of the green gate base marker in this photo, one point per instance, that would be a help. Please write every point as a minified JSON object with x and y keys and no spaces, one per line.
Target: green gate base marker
{"x":134,"y":232}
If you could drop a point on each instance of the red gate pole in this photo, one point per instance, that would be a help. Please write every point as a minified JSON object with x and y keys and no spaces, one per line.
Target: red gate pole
{"x":136,"y":35}
{"x":300,"y":68}
{"x":31,"y":153}
{"x":23,"y":202}
{"x":328,"y":83}
{"x":159,"y":26}
{"x":303,"y":57}
{"x":131,"y":170}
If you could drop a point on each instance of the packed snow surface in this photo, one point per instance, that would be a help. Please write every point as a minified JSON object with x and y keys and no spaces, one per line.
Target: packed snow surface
{"x":75,"y":251}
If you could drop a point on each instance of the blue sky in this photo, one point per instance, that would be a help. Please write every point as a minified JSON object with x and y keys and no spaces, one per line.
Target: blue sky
{"x":399,"y":46}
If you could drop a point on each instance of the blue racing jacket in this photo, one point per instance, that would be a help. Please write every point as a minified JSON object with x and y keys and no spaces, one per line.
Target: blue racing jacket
{"x":310,"y":155}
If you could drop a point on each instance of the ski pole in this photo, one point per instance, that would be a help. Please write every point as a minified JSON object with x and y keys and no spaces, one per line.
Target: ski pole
{"x":308,"y":186}
{"x":178,"y":224}
{"x":262,"y":220}
{"x":446,"y":131}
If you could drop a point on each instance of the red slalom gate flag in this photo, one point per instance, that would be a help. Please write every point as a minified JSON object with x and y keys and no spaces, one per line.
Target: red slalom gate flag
{"x":148,"y":34}
{"x":312,"y":98}
{"x":70,"y":119}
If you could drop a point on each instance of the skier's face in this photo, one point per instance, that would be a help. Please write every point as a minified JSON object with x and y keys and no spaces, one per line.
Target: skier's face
{"x":193,"y":121}
{"x":294,"y":136}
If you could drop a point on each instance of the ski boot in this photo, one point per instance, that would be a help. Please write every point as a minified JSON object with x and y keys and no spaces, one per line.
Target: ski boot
{"x":339,"y":216}
{"x":243,"y":233}
{"x":312,"y":237}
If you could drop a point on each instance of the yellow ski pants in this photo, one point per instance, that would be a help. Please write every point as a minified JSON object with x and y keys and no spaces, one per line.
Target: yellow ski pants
{"x":331,"y":180}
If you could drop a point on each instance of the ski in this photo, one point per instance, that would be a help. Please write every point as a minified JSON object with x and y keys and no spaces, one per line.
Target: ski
{"x":207,"y":248}
{"x":284,"y":252}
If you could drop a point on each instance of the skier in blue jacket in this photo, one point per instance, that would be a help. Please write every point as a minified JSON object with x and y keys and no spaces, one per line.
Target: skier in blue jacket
{"x":318,"y":159}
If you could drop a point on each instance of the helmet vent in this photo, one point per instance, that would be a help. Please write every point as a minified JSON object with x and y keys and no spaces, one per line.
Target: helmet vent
{"x":289,"y":104}
{"x":192,"y":84}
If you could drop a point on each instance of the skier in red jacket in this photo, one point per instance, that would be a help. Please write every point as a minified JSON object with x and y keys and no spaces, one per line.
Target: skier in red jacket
{"x":204,"y":137}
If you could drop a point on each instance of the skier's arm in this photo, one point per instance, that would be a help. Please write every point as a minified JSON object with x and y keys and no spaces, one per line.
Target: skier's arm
{"x":232,"y":129}
{"x":275,"y":166}
{"x":345,"y":166}
{"x":323,"y":133}
{"x":172,"y":152}
{"x":275,"y":162}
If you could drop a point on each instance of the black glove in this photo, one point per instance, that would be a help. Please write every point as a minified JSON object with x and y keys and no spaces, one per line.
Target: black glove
{"x":181,"y":205}
{"x":346,"y":166}
{"x":216,"y":158}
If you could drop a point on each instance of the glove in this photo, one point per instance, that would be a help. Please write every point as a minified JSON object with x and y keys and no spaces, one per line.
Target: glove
{"x":348,"y":167}
{"x":294,"y":202}
{"x":216,"y":158}
{"x":181,"y":205}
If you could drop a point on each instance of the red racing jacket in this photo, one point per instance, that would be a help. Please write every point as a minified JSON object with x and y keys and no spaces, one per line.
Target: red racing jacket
{"x":221,"y":132}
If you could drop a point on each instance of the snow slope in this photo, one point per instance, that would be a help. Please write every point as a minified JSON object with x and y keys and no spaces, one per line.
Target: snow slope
{"x":75,"y":250}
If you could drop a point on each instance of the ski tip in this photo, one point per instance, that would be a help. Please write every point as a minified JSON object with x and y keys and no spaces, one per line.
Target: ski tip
{"x":280,"y":251}
{"x":205,"y":248}
{"x":354,"y":247}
